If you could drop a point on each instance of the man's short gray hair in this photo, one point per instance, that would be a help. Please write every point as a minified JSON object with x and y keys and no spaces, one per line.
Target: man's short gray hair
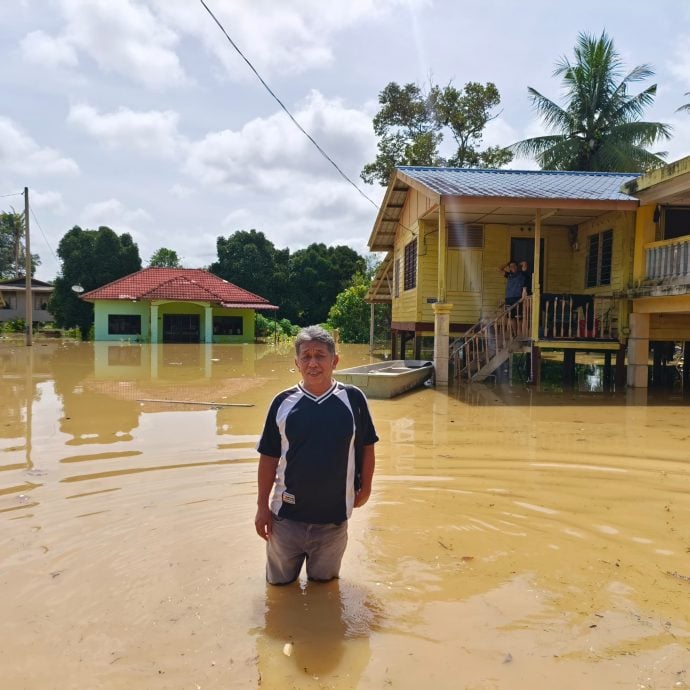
{"x":315,"y":334}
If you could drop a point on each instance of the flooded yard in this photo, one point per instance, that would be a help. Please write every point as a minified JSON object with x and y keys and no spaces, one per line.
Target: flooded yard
{"x":514,"y":539}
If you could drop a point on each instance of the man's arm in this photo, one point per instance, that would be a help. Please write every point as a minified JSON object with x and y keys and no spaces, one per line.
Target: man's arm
{"x":368,"y":465}
{"x":266,"y":478}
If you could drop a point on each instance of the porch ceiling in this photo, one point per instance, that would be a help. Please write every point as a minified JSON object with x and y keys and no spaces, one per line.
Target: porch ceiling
{"x":380,"y":291}
{"x":511,"y":215}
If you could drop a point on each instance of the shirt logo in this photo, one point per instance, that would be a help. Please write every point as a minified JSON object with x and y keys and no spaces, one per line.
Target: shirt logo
{"x":288,"y":498}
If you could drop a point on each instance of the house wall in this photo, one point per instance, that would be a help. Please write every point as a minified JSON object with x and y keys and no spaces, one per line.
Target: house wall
{"x":406,"y":308}
{"x":102,"y":308}
{"x":623,"y":225}
{"x":15,"y":305}
{"x":248,"y":319}
{"x":670,"y":326}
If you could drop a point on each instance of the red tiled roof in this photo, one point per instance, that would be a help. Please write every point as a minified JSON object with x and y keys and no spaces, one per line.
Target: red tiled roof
{"x":180,"y":285}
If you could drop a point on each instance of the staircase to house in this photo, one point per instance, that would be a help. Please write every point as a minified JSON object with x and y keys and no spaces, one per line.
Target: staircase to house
{"x":488,"y":344}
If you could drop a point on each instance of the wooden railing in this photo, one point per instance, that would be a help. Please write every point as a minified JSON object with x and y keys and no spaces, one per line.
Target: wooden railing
{"x":484,"y":341}
{"x":577,"y":317}
{"x":668,"y":260}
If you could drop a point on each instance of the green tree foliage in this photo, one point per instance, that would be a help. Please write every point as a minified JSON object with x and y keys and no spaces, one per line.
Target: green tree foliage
{"x":599,"y":127}
{"x":411,"y":125}
{"x":90,"y":259}
{"x":249,"y":260}
{"x":12,"y":254}
{"x":164,"y":258}
{"x":317,"y":274}
{"x":686,"y":107}
{"x":350,"y":314}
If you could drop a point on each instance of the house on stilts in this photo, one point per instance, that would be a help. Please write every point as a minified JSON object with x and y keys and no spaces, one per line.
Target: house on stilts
{"x":608,"y":254}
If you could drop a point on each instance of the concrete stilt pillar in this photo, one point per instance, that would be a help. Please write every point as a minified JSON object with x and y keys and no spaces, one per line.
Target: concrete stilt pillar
{"x":638,"y":351}
{"x":441,"y":342}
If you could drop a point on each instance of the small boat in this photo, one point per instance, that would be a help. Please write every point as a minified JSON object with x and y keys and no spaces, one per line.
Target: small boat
{"x":387,"y":379}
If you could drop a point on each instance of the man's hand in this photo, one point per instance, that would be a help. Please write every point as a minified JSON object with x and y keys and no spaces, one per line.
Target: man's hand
{"x":263,"y":522}
{"x":361,"y":497}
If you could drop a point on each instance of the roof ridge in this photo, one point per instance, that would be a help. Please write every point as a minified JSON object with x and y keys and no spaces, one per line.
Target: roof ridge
{"x":158,"y":286}
{"x":599,"y":173}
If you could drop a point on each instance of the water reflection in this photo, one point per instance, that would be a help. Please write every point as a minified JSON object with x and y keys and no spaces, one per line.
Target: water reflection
{"x":315,"y":631}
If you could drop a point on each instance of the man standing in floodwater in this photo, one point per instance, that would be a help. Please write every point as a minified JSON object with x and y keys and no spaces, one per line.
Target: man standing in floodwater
{"x":317,"y":454}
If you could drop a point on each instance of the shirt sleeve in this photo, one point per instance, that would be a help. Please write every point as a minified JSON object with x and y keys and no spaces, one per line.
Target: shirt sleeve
{"x":368,"y":431}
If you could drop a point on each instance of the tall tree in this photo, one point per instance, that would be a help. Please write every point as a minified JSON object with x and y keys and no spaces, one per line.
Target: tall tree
{"x":164,"y":258}
{"x":317,"y":274}
{"x":599,"y":126}
{"x":466,"y":112}
{"x":411,"y":125}
{"x":90,"y":259}
{"x":12,"y":254}
{"x":251,"y":261}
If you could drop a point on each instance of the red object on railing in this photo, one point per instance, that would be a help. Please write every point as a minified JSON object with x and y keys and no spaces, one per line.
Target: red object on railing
{"x":584,"y":332}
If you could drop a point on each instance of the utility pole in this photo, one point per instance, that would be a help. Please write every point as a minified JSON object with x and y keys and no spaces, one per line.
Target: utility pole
{"x":29,"y":306}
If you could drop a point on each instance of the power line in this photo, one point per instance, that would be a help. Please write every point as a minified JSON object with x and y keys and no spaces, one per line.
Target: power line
{"x":45,"y":239}
{"x":282,"y":105}
{"x":2,"y":196}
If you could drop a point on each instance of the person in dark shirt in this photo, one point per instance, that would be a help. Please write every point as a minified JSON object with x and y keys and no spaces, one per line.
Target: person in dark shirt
{"x":515,"y":290}
{"x":316,"y":463}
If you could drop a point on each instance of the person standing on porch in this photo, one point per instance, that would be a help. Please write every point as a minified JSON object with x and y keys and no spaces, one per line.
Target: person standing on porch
{"x":515,"y":288}
{"x":316,"y":464}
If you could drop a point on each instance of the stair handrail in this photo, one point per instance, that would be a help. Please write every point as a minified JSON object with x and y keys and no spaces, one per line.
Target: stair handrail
{"x":475,"y":350}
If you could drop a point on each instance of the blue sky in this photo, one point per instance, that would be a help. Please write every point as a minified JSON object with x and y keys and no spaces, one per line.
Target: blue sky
{"x":137,"y":114}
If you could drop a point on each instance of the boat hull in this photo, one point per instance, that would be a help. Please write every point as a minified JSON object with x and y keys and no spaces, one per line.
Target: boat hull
{"x":387,"y":379}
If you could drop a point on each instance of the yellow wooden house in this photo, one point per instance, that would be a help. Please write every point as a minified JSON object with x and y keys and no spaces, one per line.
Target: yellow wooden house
{"x":446,"y":231}
{"x":659,"y":291}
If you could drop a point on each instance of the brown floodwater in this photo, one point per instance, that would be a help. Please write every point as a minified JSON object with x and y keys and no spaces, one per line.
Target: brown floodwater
{"x":514,"y":539}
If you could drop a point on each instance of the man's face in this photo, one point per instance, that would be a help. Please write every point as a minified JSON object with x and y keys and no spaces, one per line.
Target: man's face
{"x":316,"y":365}
{"x":512,"y":267}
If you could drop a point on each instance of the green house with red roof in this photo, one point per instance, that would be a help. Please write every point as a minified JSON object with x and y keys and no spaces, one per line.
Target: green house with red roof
{"x":174,"y":305}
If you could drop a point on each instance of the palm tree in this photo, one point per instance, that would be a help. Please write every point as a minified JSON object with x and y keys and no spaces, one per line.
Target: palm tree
{"x":685,"y":107}
{"x":599,"y":127}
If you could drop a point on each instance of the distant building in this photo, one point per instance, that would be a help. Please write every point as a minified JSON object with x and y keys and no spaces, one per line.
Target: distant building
{"x":13,"y":299}
{"x":174,"y":305}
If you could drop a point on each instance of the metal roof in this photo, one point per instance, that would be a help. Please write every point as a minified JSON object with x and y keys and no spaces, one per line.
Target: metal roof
{"x":509,"y":197}
{"x":522,"y":184}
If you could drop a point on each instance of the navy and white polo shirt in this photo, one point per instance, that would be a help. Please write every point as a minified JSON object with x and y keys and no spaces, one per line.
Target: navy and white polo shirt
{"x":318,"y":440}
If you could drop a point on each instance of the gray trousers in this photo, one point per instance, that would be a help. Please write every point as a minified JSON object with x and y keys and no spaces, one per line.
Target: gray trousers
{"x":292,"y":542}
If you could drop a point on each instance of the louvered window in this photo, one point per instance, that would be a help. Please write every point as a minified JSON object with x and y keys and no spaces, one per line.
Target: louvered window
{"x":599,"y":255}
{"x":410,"y":268}
{"x":465,"y":236}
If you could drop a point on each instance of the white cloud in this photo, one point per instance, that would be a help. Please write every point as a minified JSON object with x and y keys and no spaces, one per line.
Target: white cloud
{"x":43,"y":49}
{"x":21,"y":154}
{"x":179,"y":191}
{"x":266,"y":151}
{"x":113,"y":214}
{"x":680,"y":65}
{"x":121,"y":36}
{"x":49,"y":200}
{"x":276,"y":37}
{"x":238,"y":218}
{"x":151,"y":131}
